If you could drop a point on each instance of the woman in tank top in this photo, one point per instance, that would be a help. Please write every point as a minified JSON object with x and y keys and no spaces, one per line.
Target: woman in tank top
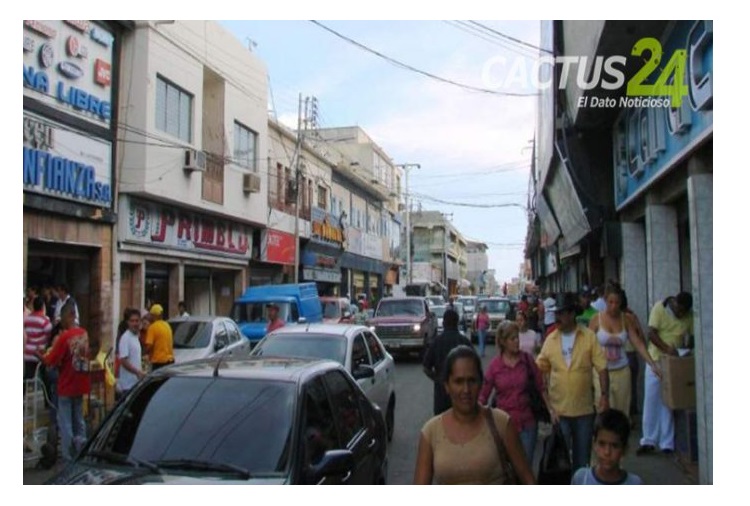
{"x":614,"y":329}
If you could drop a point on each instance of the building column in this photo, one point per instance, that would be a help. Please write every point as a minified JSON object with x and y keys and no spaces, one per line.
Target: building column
{"x":700,"y":202}
{"x":634,"y":275}
{"x":176,"y":287}
{"x":662,"y":253}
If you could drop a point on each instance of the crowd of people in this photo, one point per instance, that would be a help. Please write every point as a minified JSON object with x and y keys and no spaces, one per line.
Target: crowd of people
{"x":58,"y":352}
{"x":570,"y":360}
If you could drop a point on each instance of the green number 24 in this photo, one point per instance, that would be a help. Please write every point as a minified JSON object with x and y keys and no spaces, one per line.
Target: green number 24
{"x":675,"y":68}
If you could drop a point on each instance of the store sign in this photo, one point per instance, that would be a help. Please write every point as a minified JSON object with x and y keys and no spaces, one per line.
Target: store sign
{"x":326,"y":227}
{"x":167,"y":227}
{"x":56,"y":69}
{"x":648,"y":141}
{"x":324,"y":275}
{"x":278,"y":247}
{"x":372,"y":246}
{"x":59,"y":162}
{"x":314,"y":259}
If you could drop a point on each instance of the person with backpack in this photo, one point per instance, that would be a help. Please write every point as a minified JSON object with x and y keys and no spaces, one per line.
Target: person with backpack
{"x":70,"y":354}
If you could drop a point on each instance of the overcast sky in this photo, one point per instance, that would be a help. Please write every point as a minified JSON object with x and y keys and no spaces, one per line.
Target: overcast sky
{"x":473,"y":147}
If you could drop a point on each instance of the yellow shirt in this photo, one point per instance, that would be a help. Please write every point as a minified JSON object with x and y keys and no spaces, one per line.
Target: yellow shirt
{"x":159,"y":335}
{"x":571,"y":390}
{"x":670,"y":328}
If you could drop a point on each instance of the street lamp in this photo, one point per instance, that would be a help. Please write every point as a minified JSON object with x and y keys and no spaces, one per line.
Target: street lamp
{"x":406,"y":167}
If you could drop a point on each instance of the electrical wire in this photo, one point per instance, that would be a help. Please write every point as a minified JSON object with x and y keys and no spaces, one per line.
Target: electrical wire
{"x":421,"y":72}
{"x":508,"y":37}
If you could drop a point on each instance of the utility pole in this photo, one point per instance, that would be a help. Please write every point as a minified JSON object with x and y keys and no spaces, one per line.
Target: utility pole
{"x":406,"y":167}
{"x":307,"y":116}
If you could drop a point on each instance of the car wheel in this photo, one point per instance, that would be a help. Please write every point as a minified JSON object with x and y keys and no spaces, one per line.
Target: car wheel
{"x":390,"y":417}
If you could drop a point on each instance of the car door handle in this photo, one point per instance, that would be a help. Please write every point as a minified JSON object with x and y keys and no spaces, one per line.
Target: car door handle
{"x":372,"y":443}
{"x":346,"y":477}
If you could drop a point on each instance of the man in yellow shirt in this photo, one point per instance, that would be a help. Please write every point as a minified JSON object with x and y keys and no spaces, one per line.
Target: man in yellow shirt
{"x":159,"y":340}
{"x":568,"y":357}
{"x":670,"y":325}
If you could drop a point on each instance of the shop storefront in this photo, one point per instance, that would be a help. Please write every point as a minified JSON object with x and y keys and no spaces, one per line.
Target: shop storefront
{"x":321,"y":254}
{"x":274,"y":262}
{"x":168,"y":254}
{"x":69,"y":86}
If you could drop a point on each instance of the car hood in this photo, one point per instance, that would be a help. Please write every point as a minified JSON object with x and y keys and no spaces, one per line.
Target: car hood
{"x":385,"y":320}
{"x":187,"y":354}
{"x":79,"y":474}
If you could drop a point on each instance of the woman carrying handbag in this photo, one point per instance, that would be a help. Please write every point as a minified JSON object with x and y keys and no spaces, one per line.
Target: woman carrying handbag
{"x":518,"y":386}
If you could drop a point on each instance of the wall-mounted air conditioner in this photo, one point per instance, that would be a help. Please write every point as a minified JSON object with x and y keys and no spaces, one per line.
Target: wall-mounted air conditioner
{"x":195,"y":160}
{"x":250,"y":183}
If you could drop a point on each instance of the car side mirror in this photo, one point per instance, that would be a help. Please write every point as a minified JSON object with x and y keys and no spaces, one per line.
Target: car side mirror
{"x":333,"y":463}
{"x":363,"y":371}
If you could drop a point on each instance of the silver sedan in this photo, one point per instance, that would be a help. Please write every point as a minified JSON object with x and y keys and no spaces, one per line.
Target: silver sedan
{"x":197,"y":337}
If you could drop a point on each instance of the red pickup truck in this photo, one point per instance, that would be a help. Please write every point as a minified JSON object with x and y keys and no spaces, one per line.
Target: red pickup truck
{"x":404,"y":324}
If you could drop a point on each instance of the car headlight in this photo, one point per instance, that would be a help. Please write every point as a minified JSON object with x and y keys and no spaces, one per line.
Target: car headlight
{"x":417,"y":327}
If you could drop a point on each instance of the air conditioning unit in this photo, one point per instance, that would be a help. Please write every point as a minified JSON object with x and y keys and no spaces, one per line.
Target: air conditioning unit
{"x":250,"y":183}
{"x":195,"y":160}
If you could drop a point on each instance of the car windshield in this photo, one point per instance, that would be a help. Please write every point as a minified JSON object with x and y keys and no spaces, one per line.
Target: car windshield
{"x":191,"y":334}
{"x":467,"y":302}
{"x":331,"y":309}
{"x":303,"y":345}
{"x":438,"y":310}
{"x":257,"y":312}
{"x":495,"y":306}
{"x":401,"y":308}
{"x":240,"y":422}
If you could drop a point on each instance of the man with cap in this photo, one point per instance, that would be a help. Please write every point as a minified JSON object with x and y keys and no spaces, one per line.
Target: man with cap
{"x":274,"y":322}
{"x":568,"y":357}
{"x":159,"y":342}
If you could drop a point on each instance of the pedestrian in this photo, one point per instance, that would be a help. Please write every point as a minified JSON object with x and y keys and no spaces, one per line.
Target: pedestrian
{"x":599,"y":303}
{"x":568,"y":357}
{"x":145,"y":324}
{"x":64,"y":298}
{"x":159,"y":341}
{"x":458,"y":446}
{"x":611,"y":435}
{"x":70,"y":353}
{"x":584,"y":299}
{"x":483,"y":324}
{"x":529,"y":340}
{"x":633,"y":362}
{"x":510,"y":376}
{"x":614,"y":330}
{"x":274,"y":322}
{"x":523,"y":305}
{"x":182,"y":310}
{"x":670,"y":326}
{"x":50,"y":301}
{"x":37,"y":331}
{"x":129,"y":355}
{"x":549,"y":304}
{"x":434,"y":359}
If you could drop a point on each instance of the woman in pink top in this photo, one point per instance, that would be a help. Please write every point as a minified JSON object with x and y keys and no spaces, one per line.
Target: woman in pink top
{"x":508,"y":375}
{"x":529,"y":340}
{"x":483,"y":323}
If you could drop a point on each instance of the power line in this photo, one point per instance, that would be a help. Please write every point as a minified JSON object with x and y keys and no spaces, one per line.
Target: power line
{"x":497,"y":41}
{"x":422,"y":72}
{"x":465,"y":204}
{"x":505,"y":36}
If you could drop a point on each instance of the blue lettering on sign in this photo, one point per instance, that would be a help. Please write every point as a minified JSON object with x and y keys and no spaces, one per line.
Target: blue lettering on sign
{"x":62,"y":175}
{"x":83,"y":101}
{"x":37,"y":81}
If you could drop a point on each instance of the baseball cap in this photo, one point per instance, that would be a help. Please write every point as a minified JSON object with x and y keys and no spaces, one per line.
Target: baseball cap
{"x":156,"y":309}
{"x":272,"y":305}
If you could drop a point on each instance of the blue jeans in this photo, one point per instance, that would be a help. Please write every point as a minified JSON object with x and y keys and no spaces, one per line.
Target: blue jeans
{"x":71,"y":425}
{"x":528,"y":441}
{"x":578,"y":432}
{"x":481,"y":334}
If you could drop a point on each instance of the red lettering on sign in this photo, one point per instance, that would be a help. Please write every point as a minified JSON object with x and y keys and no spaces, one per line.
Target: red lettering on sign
{"x":183,"y":228}
{"x":220,"y":235}
{"x":207,"y":233}
{"x":230,"y":245}
{"x":166,"y":220}
{"x":102,"y":73}
{"x":243,"y":244}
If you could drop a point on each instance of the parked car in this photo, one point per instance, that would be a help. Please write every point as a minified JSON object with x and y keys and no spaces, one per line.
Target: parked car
{"x":336,"y":310}
{"x":404,"y":324}
{"x":469,"y":303}
{"x":250,"y":420}
{"x":355,"y":347}
{"x":498,"y":309}
{"x":196,"y":337}
{"x":298,"y":303}
{"x":435,"y":300}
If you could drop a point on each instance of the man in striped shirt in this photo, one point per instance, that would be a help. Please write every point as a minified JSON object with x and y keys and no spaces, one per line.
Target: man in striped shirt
{"x":38,"y":329}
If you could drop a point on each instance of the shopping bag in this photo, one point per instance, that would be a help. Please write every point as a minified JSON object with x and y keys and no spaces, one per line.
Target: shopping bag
{"x":555,"y":467}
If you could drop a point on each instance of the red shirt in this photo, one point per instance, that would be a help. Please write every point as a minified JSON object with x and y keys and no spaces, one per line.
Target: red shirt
{"x":511,"y":385}
{"x":274,"y":324}
{"x":69,"y":353}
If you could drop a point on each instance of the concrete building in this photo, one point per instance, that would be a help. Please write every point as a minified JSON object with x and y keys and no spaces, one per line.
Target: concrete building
{"x":437,"y":243}
{"x":193,"y":183}
{"x":624,"y":186}
{"x":477,"y":264}
{"x":71,"y":89}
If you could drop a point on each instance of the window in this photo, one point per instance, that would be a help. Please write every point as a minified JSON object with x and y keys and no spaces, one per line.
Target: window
{"x":359,"y":353}
{"x":376,"y":352}
{"x":245,"y":146}
{"x":320,"y":431}
{"x":345,"y":406}
{"x":322,"y":197}
{"x":174,"y":110}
